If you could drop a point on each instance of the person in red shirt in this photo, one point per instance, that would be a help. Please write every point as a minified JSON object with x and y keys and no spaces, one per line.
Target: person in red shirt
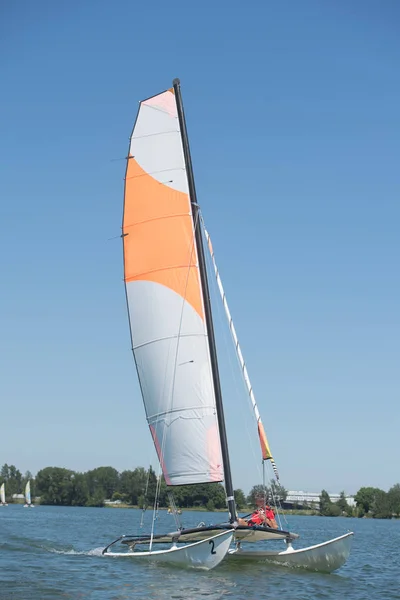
{"x":263,"y":515}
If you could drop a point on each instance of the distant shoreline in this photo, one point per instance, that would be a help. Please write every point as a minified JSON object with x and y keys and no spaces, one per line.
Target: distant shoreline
{"x":246,"y":510}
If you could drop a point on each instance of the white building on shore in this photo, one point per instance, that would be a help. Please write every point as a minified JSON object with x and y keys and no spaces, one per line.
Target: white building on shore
{"x":300,"y":498}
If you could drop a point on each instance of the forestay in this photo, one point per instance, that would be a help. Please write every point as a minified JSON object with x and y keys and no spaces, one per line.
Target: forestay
{"x":265,"y":449}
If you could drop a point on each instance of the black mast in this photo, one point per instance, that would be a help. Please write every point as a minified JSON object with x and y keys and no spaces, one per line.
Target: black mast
{"x":207,"y":304}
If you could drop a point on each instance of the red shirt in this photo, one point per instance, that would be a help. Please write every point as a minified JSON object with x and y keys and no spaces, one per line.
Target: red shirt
{"x":269,"y":513}
{"x":257,"y":516}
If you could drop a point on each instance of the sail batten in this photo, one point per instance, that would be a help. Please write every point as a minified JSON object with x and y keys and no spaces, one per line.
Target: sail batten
{"x":165,"y":301}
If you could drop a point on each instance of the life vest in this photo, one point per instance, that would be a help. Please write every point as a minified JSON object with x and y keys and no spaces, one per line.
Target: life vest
{"x":257,"y":518}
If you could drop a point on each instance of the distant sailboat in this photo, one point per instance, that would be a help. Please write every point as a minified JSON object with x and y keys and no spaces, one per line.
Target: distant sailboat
{"x":28,"y":499}
{"x":3,"y":495}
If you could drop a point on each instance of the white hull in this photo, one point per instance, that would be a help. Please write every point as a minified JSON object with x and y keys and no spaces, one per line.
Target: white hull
{"x":29,"y":506}
{"x":325,"y":557}
{"x":3,"y":504}
{"x":241,"y":534}
{"x":205,"y":554}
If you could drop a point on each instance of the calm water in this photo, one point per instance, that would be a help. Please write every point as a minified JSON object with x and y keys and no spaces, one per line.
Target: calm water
{"x":49,"y":552}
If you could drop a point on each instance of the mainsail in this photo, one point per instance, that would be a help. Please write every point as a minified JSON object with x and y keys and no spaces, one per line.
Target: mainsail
{"x":3,"y":493}
{"x":165,"y":299}
{"x":28,"y":492}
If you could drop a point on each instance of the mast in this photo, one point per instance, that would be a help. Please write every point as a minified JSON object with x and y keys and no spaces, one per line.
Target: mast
{"x":207,"y":304}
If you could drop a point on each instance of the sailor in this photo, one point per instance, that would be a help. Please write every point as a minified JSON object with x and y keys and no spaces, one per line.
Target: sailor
{"x":263,"y":515}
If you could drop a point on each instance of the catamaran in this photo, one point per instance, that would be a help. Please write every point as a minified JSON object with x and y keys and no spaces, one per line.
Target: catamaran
{"x":3,"y":495}
{"x":170,"y":321}
{"x":28,"y":500}
{"x":173,"y":342}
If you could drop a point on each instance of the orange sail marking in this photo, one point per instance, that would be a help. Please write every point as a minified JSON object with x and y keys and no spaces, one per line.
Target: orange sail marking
{"x":158,"y":236}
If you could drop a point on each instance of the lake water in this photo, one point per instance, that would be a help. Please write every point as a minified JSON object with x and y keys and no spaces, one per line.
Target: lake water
{"x":54,"y":553}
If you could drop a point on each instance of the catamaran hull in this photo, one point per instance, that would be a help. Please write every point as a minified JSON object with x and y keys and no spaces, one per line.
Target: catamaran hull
{"x":325,"y":557}
{"x":196,"y":534}
{"x":205,"y":554}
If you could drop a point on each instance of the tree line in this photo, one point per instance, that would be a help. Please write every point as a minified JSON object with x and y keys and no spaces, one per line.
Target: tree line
{"x":370,"y":502}
{"x":64,"y":487}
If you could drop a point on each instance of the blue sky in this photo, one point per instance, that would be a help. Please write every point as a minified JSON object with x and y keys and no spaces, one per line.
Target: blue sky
{"x":293,"y":118}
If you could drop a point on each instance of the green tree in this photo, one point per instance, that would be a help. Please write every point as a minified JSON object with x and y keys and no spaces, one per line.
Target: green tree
{"x":80,"y":490}
{"x":104,"y":480}
{"x":394,"y":499}
{"x":118,"y":496}
{"x":55,"y":486}
{"x":240,"y":499}
{"x":199,"y":495}
{"x":343,"y":505}
{"x":381,"y":506}
{"x":365,"y":499}
{"x":151,"y":479}
{"x":210,"y":506}
{"x":13,"y":477}
{"x":218,"y":495}
{"x":5,"y":470}
{"x":183,"y":495}
{"x":163,"y":497}
{"x":334,"y":510}
{"x":277,"y":492}
{"x":97,"y":499}
{"x":326,"y":507}
{"x":134,"y":484}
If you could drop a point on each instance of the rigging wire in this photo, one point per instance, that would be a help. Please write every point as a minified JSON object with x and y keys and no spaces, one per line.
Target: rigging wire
{"x":228,"y":347}
{"x":261,"y":470}
{"x":144,"y":500}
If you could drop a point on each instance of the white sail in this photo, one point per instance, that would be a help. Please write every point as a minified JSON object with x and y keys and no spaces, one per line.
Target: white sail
{"x":3,"y":493}
{"x":165,"y":299}
{"x":28,"y":493}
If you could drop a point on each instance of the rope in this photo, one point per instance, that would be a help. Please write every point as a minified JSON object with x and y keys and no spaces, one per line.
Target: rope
{"x":228,"y":346}
{"x":264,"y":446}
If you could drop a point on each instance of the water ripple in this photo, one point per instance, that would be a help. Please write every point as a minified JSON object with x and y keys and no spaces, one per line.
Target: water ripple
{"x":55,"y":553}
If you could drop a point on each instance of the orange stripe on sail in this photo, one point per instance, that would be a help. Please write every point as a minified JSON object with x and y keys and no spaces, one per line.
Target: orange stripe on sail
{"x":266,"y":452}
{"x":158,"y":236}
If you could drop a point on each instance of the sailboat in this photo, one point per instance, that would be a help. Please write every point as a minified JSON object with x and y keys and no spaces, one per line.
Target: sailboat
{"x":3,"y":495}
{"x":28,"y":501}
{"x":170,"y":323}
{"x":174,"y":347}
